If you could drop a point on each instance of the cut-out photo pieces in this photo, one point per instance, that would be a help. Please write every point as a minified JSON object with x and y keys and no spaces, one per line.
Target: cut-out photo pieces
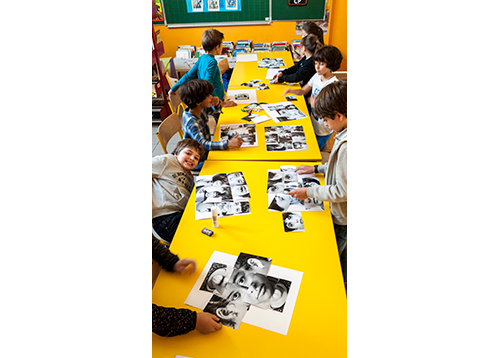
{"x":271,"y":63}
{"x":255,"y":84}
{"x":228,"y":193}
{"x":285,"y":138}
{"x":246,"y":283}
{"x":292,"y":222}
{"x":245,"y":131}
{"x":281,"y":182}
{"x":283,"y":111}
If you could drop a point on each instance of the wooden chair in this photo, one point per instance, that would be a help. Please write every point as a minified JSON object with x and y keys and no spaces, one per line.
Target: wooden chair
{"x":327,"y":149}
{"x":167,"y":129}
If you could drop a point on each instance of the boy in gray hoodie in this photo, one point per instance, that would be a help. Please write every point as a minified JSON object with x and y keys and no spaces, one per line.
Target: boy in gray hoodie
{"x":331,"y":105}
{"x":172,"y":185}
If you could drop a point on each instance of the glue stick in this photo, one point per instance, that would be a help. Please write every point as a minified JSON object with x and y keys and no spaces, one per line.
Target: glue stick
{"x":215,"y":218}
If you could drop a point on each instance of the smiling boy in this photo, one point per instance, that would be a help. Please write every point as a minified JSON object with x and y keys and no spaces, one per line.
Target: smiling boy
{"x":172,"y":185}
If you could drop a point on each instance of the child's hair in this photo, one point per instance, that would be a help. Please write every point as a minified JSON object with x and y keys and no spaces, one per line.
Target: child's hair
{"x":195,"y":91}
{"x":331,"y":99}
{"x":311,"y":43}
{"x":211,"y":39}
{"x":189,"y":143}
{"x":330,"y":55}
{"x":311,"y":28}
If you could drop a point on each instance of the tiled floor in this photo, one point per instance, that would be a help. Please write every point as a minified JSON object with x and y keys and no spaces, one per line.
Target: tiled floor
{"x":156,"y":145}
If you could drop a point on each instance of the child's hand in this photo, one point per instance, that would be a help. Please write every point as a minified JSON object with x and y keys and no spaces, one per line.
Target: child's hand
{"x":276,"y":76}
{"x":300,"y":193}
{"x":182,"y":264}
{"x":304,"y":169}
{"x":207,"y":323}
{"x":229,"y":103}
{"x":288,"y":90}
{"x":235,"y":142}
{"x":312,"y":99}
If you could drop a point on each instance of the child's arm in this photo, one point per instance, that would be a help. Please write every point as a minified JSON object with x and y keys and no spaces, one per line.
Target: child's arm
{"x":197,"y":133}
{"x":188,"y":76}
{"x":159,"y":165}
{"x":301,"y":91}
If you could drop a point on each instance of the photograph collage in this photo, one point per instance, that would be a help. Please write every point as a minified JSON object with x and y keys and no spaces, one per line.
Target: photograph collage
{"x":246,"y":283}
{"x":228,"y":193}
{"x":285,"y":138}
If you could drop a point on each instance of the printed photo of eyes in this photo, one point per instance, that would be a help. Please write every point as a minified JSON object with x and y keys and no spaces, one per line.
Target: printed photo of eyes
{"x":285,"y":138}
{"x":230,"y":313}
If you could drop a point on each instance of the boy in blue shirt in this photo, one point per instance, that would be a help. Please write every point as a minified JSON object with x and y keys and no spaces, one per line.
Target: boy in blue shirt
{"x":206,"y":68}
{"x":196,"y":94}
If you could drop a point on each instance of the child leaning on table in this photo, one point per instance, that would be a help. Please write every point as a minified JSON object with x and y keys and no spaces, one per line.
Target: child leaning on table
{"x":169,"y":321}
{"x":206,"y":68}
{"x":331,"y":105}
{"x":172,"y":185}
{"x":196,"y":94}
{"x":326,"y":61}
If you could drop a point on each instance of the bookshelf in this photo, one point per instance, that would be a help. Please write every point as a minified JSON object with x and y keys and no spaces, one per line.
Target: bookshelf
{"x":161,"y":109}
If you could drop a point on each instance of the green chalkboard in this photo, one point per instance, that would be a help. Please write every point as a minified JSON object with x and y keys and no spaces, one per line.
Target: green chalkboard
{"x":314,"y":10}
{"x":252,"y":12}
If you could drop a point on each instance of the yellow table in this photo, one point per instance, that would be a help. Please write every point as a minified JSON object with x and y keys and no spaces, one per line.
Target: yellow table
{"x":318,"y":327}
{"x":247,"y":71}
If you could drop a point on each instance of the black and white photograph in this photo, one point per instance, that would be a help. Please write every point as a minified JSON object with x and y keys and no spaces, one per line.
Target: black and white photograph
{"x":240,"y":192}
{"x":278,"y":300}
{"x":293,"y":222}
{"x":232,"y":208}
{"x":236,"y":178}
{"x":312,"y":204}
{"x":213,"y":194}
{"x":310,"y":182}
{"x":260,"y":291}
{"x":245,"y":131}
{"x":271,"y":63}
{"x":242,"y":96}
{"x":284,"y":138}
{"x":291,"y":98}
{"x":217,"y":278}
{"x":279,"y":202}
{"x":283,"y":111}
{"x":255,"y":263}
{"x":230,"y":314}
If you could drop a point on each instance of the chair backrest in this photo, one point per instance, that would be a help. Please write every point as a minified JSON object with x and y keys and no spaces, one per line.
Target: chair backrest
{"x":167,"y":129}
{"x":341,"y":75}
{"x":175,"y":102}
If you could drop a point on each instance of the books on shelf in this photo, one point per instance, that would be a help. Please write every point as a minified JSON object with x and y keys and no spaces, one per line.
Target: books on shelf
{"x":185,"y":51}
{"x":262,"y":47}
{"x":227,"y":48}
{"x":279,"y":46}
{"x":243,"y":46}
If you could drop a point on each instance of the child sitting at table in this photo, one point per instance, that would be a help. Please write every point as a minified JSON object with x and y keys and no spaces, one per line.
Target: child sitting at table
{"x":206,"y":68}
{"x":331,"y":105}
{"x":196,"y":94}
{"x":326,"y":61}
{"x":172,"y":185}
{"x":168,"y":321}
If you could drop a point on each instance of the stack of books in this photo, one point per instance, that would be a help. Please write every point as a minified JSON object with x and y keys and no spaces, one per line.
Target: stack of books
{"x":227,"y":48}
{"x":262,"y":47}
{"x":243,"y":46}
{"x":295,"y":45}
{"x":279,"y":46}
{"x":185,"y":51}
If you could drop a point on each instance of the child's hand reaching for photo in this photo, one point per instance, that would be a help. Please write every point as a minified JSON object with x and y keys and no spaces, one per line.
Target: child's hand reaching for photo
{"x":235,"y":142}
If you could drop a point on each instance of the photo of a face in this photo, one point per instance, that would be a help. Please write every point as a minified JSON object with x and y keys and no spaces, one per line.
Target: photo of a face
{"x":293,"y":222}
{"x":240,"y":191}
{"x":260,"y":291}
{"x":310,"y":182}
{"x":312,"y":204}
{"x":255,"y":263}
{"x":236,"y":178}
{"x":278,"y":300}
{"x":276,"y":188}
{"x":234,"y":293}
{"x":279,"y":202}
{"x":217,"y":278}
{"x":284,"y":138}
{"x":230,"y":313}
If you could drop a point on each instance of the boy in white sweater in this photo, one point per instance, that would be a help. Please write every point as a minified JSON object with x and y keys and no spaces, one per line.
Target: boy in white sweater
{"x":172,"y":185}
{"x":331,"y":106}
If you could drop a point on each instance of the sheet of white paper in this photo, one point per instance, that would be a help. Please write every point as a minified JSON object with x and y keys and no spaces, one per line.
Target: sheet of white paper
{"x":272,"y":320}
{"x":271,"y":72}
{"x":242,"y":96}
{"x":268,"y":319}
{"x":261,"y":119}
{"x":246,"y":58}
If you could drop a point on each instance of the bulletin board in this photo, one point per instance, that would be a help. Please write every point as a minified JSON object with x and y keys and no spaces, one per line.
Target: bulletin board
{"x":186,"y":13}
{"x":313,"y":10}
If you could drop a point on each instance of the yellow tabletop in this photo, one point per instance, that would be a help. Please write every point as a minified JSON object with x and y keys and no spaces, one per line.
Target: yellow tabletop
{"x":247,"y":71}
{"x":318,"y":326}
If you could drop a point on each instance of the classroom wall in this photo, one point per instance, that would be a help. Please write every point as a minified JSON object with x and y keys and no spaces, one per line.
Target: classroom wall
{"x":276,"y":31}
